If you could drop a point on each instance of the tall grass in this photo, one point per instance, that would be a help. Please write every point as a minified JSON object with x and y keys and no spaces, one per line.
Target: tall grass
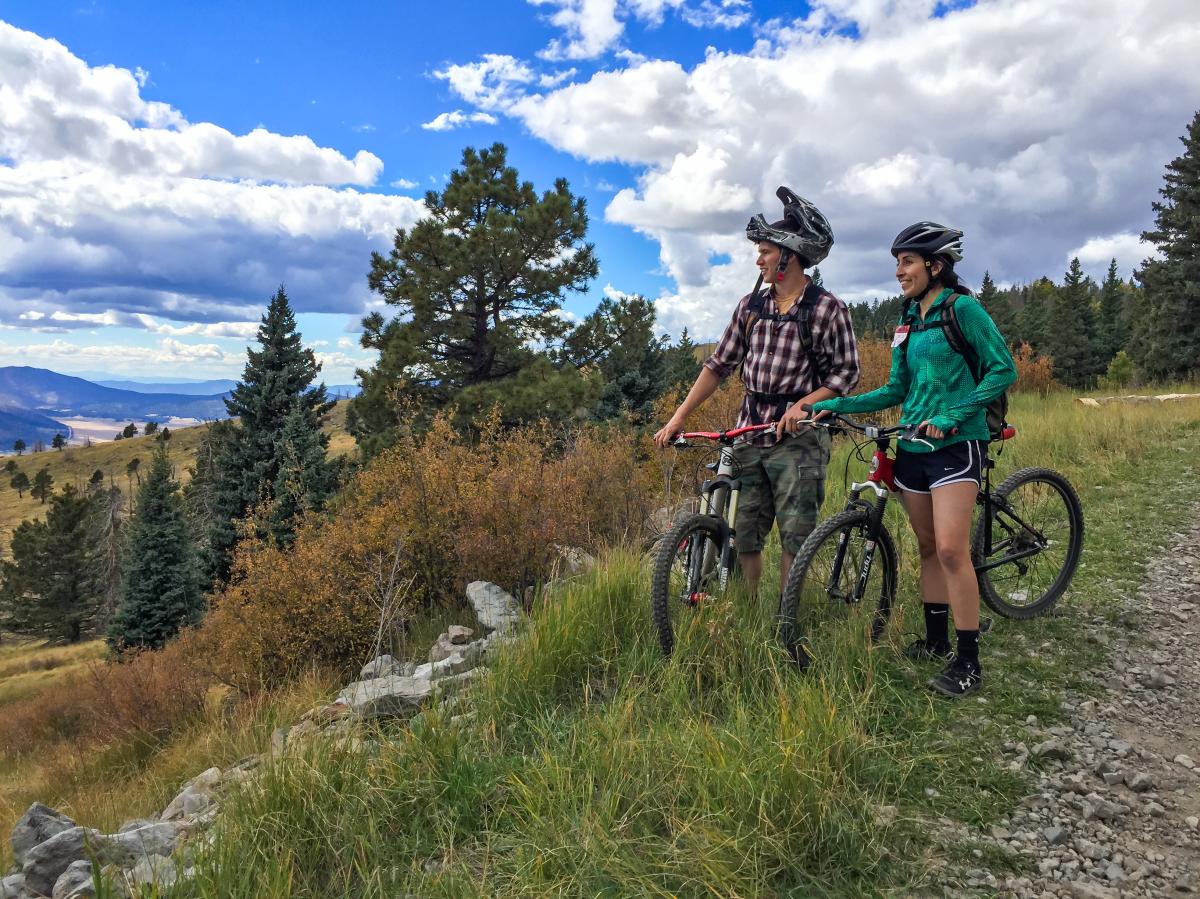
{"x":586,"y":765}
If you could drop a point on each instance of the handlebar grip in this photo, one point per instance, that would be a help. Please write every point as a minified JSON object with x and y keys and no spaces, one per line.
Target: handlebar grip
{"x":806,"y":407}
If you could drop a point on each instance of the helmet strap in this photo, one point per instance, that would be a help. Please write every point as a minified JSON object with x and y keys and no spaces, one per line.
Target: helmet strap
{"x":785,"y":257}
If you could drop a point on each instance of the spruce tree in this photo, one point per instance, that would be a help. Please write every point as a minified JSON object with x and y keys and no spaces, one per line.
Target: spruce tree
{"x":277,"y":383}
{"x":304,"y":479}
{"x":20,"y":483}
{"x":1034,"y":319}
{"x":161,"y":592}
{"x":1072,"y":330}
{"x":618,"y":340}
{"x":49,"y":587}
{"x":1168,"y":333}
{"x":999,"y":306}
{"x":476,"y":286}
{"x":1112,"y":328}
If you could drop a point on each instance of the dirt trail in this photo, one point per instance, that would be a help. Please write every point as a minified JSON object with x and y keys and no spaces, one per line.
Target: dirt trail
{"x":1116,"y":810}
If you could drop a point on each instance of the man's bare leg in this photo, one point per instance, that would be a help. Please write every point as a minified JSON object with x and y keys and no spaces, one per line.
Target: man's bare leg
{"x":752,"y":566}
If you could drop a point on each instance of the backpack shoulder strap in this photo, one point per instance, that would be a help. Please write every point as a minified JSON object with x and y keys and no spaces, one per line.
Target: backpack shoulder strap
{"x":958,"y":340}
{"x":754,"y":311}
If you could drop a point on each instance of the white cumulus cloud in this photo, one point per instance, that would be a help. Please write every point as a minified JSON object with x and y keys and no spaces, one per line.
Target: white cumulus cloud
{"x":1021,"y":122}
{"x":448,"y":121}
{"x":118,"y":211}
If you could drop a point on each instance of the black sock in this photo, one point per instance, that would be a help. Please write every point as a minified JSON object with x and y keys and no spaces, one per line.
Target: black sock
{"x":968,"y":646}
{"x":937,"y":624}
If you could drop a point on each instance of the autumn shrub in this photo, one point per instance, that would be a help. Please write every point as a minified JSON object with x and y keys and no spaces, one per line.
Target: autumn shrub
{"x":146,"y":697}
{"x":1035,"y":374}
{"x":427,"y":516}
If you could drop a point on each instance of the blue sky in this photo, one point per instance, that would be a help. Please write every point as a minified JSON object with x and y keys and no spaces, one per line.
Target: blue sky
{"x":163,"y":166}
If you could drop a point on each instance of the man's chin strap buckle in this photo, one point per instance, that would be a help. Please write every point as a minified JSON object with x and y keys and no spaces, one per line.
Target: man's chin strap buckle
{"x":785,"y":257}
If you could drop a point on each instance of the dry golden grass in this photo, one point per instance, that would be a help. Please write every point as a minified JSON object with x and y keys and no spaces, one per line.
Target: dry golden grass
{"x":76,"y":464}
{"x":28,"y":667}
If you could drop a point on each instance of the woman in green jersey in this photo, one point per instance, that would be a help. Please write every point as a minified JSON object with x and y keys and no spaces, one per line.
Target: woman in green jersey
{"x":940,"y":476}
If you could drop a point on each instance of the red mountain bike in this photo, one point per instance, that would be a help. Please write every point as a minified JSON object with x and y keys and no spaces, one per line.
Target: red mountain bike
{"x":1025,"y":546}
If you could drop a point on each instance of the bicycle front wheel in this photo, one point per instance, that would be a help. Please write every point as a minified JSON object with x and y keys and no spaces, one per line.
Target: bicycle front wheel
{"x":687,"y":574}
{"x":822,"y":589}
{"x":1035,"y":542}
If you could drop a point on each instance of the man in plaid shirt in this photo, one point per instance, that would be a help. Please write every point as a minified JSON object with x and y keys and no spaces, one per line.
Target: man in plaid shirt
{"x":785,"y":364}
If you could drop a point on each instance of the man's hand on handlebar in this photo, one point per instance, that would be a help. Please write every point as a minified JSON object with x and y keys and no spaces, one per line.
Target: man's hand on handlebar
{"x":792,"y":420}
{"x":665,"y":436}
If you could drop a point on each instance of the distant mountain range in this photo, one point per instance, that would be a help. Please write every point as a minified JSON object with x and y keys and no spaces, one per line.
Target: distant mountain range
{"x":33,"y":400}
{"x":190,"y":388}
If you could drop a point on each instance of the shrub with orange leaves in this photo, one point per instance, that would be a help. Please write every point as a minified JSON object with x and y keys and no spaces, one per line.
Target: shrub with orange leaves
{"x":432,"y":513}
{"x":1034,"y":373}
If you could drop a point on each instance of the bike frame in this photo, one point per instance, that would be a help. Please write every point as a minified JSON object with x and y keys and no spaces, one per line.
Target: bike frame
{"x":719,"y":497}
{"x":882,"y":482}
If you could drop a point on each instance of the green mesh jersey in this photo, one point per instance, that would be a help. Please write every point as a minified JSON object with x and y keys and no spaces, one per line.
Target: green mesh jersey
{"x":934,"y":382}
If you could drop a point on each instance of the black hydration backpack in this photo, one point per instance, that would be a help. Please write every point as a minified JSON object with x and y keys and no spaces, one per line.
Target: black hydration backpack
{"x":997,"y":409}
{"x":802,"y":314}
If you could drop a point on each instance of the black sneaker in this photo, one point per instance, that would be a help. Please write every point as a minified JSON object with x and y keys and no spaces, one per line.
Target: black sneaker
{"x":921,"y":651}
{"x":958,"y":679}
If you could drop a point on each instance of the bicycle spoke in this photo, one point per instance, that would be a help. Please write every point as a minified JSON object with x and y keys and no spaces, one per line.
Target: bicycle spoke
{"x":1036,"y":534}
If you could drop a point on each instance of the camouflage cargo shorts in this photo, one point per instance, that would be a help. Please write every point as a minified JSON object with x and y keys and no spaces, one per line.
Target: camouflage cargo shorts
{"x":784,"y":482}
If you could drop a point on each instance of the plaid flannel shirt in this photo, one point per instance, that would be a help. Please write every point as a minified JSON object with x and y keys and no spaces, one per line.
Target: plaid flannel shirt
{"x":776,"y":361}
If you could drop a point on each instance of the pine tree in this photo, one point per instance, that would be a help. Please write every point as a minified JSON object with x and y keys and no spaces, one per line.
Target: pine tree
{"x":49,"y":587}
{"x":1168,"y":333}
{"x":477,"y":286}
{"x":161,"y":592}
{"x":999,"y":306}
{"x":18,"y":446}
{"x":1034,"y":319}
{"x":304,"y":480}
{"x":20,"y":483}
{"x":43,"y":483}
{"x":58,"y":442}
{"x":1112,"y":329}
{"x":1072,"y":330}
{"x":681,"y":364}
{"x":277,"y":383}
{"x":618,"y":339}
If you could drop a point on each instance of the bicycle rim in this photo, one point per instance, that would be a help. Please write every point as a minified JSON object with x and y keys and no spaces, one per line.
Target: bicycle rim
{"x":687,"y":577}
{"x":1037,"y":537}
{"x":818,"y":610}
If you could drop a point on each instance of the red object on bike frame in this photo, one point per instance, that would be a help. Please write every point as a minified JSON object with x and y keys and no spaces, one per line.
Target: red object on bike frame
{"x":883,"y":470}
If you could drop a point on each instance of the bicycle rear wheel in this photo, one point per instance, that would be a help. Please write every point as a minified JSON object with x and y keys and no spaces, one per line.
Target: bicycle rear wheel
{"x":687,"y":573}
{"x":1036,"y":541}
{"x":819,"y":593}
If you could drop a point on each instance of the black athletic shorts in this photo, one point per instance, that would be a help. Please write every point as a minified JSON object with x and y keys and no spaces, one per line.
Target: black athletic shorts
{"x":922,"y":472}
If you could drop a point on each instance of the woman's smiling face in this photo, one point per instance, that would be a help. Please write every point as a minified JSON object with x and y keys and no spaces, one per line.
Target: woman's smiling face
{"x":912,"y":274}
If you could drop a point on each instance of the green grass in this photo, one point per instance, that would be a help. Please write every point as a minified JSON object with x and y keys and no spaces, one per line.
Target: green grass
{"x":589,"y":766}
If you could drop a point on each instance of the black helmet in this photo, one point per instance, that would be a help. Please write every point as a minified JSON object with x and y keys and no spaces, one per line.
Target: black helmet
{"x":803,"y":230}
{"x":931,"y":240}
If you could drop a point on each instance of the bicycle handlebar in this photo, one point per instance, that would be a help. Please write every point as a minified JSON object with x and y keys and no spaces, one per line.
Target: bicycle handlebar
{"x":909,"y":433}
{"x":681,"y":439}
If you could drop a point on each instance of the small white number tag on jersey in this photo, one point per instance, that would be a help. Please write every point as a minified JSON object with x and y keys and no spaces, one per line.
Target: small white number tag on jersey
{"x":898,"y":337}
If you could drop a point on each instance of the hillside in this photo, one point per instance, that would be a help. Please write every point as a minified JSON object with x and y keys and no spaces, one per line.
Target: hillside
{"x":23,"y":387}
{"x":22,"y":424}
{"x":75,"y":465}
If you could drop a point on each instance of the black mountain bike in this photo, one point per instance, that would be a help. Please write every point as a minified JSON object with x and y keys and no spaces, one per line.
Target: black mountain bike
{"x":1025,"y":546}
